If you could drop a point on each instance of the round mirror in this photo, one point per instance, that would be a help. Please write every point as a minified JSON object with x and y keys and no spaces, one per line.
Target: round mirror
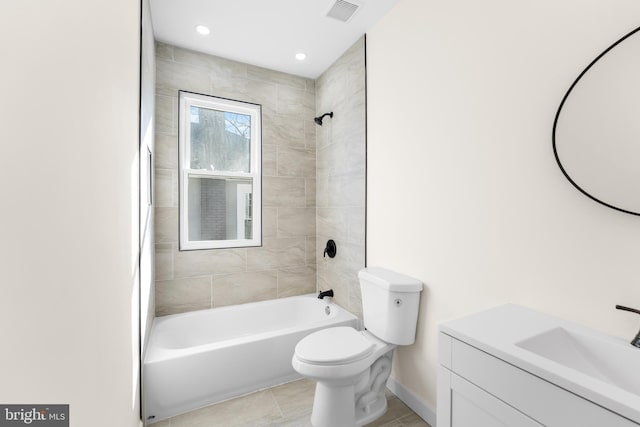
{"x":596,"y":132}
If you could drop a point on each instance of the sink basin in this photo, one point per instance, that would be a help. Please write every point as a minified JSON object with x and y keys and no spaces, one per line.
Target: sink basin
{"x":593,"y":366}
{"x":613,"y":362}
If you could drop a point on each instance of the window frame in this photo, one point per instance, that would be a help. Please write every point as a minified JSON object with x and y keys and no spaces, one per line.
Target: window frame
{"x":185,"y":101}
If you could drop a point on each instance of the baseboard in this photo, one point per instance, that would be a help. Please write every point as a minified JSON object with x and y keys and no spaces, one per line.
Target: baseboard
{"x":416,"y":404}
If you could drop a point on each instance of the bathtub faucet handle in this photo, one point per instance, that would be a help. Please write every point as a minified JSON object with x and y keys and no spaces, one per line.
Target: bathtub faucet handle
{"x":330,"y":249}
{"x":328,"y":293}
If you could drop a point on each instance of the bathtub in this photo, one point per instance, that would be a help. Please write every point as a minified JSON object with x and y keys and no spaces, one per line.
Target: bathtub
{"x":198,"y":358}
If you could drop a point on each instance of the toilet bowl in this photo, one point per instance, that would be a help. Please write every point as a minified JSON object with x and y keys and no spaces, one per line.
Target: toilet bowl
{"x":349,"y":390}
{"x":351,"y":367}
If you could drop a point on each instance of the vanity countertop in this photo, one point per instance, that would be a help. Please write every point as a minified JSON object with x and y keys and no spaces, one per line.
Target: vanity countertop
{"x":596,"y":366}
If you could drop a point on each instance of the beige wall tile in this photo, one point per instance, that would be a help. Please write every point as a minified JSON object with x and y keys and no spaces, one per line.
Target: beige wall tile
{"x":240,"y":288}
{"x":309,"y":102}
{"x":241,"y":89}
{"x":284,"y":130}
{"x":163,"y":261}
{"x":181,"y":295}
{"x":231,"y":88}
{"x":296,"y":281}
{"x":331,"y":222}
{"x":346,"y":190}
{"x":311,"y":251}
{"x":324,"y":165}
{"x":328,"y":278}
{"x":322,"y":191}
{"x":166,"y":225}
{"x":172,"y":77}
{"x":294,"y":102}
{"x":311,"y":86}
{"x":215,"y":65}
{"x":166,"y":151}
{"x":356,"y":225}
{"x":350,"y":257}
{"x":289,"y":186}
{"x":280,"y":191}
{"x":261,"y":93}
{"x":215,"y":261}
{"x":354,"y":112}
{"x":164,"y":51}
{"x":294,"y":222}
{"x":340,"y":176}
{"x":310,"y":191}
{"x":344,"y":157}
{"x":166,"y":114}
{"x":269,"y":160}
{"x":296,"y":162}
{"x":310,"y":133}
{"x":269,"y":222}
{"x":277,"y":253}
{"x":324,"y":133}
{"x":166,"y":188}
{"x":272,"y":76}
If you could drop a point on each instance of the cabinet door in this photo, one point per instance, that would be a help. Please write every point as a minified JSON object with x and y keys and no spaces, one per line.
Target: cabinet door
{"x":473,"y":407}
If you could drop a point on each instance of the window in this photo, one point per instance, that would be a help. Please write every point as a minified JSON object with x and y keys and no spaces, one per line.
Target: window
{"x":219,"y":172}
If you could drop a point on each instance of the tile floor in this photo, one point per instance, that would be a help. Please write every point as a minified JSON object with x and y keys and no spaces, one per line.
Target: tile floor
{"x":287,"y":405}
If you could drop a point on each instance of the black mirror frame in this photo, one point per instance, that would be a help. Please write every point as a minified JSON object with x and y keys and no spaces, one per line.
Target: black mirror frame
{"x":555,"y":123}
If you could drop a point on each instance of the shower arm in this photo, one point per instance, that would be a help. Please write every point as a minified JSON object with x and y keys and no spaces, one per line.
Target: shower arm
{"x":318,"y":119}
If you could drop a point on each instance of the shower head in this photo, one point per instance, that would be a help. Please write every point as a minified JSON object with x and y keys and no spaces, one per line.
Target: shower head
{"x":318,"y":120}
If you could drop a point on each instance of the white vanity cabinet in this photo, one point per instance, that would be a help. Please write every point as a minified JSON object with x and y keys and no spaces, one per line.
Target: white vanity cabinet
{"x":479,"y":389}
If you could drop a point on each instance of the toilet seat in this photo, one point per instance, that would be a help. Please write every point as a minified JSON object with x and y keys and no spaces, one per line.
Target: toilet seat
{"x":334,"y":346}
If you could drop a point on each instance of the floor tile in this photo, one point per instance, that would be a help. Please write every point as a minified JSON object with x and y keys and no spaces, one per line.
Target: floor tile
{"x":395,"y":409}
{"x":301,"y":421}
{"x":412,"y":420}
{"x":256,"y":409}
{"x":295,"y":398}
{"x":286,"y":405}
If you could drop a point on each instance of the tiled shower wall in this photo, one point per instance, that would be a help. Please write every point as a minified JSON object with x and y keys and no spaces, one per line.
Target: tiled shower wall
{"x":341,"y":175}
{"x":286,"y":264}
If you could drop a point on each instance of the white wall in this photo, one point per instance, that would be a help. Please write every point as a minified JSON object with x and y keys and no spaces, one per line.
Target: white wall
{"x":147,"y":128}
{"x":463,"y":189}
{"x":69,"y":218}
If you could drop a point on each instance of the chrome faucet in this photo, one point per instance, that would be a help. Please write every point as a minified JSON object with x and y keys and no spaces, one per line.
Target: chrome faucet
{"x":636,"y":341}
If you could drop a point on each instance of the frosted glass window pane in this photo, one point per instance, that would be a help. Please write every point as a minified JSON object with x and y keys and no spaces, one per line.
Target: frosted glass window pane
{"x":220,"y":140}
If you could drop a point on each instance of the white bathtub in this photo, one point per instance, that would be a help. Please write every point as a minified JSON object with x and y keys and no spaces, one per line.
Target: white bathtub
{"x":198,"y":358}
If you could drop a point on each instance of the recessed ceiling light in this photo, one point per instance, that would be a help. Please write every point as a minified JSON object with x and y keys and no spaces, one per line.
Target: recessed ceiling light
{"x":301,"y":56}
{"x":203,"y":30}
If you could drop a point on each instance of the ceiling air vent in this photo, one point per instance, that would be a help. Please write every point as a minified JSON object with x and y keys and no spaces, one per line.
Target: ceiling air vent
{"x":343,"y":10}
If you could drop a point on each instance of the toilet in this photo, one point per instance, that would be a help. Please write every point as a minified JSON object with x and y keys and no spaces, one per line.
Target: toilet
{"x":351,"y":367}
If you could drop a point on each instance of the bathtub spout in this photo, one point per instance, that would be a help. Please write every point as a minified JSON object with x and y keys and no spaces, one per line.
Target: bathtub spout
{"x":328,"y":293}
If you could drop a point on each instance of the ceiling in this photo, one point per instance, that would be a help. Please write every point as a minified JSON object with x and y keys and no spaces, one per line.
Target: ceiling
{"x":266,"y":33}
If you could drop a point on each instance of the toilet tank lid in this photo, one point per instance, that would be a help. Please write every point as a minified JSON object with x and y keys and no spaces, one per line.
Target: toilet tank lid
{"x":390,"y":280}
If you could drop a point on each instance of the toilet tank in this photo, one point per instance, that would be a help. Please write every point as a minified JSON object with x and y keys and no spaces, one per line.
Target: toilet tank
{"x":390,"y":304}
